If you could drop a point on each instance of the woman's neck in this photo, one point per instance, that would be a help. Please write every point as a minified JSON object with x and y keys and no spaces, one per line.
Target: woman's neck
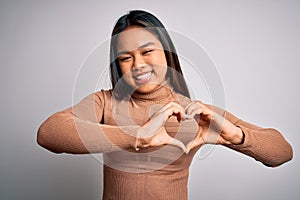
{"x":159,"y":94}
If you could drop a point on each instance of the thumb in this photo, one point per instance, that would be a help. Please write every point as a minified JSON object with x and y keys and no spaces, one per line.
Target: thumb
{"x":177,"y":143}
{"x":194,"y":143}
{"x":189,"y":146}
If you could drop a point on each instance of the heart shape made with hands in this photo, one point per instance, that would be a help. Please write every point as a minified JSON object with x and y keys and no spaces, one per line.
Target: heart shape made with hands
{"x":211,"y":127}
{"x":186,"y":132}
{"x":190,"y":131}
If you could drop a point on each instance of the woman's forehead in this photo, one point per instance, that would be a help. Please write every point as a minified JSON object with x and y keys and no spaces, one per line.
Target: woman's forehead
{"x":134,"y":38}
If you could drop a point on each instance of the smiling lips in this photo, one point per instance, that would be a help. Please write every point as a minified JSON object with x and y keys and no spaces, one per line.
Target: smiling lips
{"x":143,"y":78}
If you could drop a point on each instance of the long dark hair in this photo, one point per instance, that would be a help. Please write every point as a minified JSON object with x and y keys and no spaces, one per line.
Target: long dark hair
{"x":147,"y":20}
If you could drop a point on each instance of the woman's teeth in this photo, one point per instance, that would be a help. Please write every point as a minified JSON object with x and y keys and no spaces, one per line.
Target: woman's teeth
{"x":142,"y":79}
{"x":144,"y":76}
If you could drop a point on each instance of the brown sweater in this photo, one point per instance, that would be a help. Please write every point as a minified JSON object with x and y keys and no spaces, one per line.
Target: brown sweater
{"x":102,"y":124}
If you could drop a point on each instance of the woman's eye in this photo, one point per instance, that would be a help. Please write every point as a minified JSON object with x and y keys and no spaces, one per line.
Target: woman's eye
{"x":125,"y":58}
{"x":147,"y":51}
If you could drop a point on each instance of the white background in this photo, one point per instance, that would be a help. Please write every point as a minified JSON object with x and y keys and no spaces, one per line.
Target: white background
{"x":254,"y":45}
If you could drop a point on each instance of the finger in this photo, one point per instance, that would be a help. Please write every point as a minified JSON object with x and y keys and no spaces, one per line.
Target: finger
{"x":196,"y":111}
{"x":177,"y":143}
{"x":199,"y":141}
{"x":160,"y":117}
{"x":168,"y":105}
{"x":193,"y":108}
{"x":189,"y":146}
{"x":179,"y":113}
{"x":190,"y":107}
{"x":195,"y":104}
{"x":204,"y":111}
{"x":177,"y":110}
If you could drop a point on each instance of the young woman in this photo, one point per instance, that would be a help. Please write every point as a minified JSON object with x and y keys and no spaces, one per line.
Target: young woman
{"x":147,"y":126}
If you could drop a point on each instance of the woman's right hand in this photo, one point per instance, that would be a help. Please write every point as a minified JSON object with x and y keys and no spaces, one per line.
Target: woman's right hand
{"x":153,"y":133}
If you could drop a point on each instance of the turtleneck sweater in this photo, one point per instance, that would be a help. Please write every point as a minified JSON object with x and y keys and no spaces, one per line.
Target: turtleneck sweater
{"x":101,"y":123}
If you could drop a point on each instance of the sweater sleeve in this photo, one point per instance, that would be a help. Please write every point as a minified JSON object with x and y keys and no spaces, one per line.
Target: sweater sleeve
{"x":78,"y":130}
{"x":266,"y":145}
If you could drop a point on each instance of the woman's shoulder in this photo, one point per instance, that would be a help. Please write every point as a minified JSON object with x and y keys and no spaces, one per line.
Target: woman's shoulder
{"x":103,"y":93}
{"x":101,"y":96}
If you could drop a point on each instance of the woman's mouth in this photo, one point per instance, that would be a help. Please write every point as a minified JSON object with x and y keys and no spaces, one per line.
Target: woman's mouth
{"x":143,"y":78}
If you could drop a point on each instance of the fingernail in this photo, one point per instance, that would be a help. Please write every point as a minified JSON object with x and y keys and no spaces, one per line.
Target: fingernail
{"x":187,"y":116}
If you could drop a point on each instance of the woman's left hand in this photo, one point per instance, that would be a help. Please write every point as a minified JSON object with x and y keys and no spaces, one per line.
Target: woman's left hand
{"x":213,"y":128}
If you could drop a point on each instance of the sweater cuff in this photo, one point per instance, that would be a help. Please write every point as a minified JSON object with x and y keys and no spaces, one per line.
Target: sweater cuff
{"x":243,"y":139}
{"x":246,"y":139}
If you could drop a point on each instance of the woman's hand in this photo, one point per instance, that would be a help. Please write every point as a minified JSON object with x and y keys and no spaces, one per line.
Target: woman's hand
{"x":213,"y":128}
{"x":153,"y":133}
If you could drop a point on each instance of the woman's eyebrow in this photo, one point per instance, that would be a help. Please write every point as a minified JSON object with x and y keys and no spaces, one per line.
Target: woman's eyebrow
{"x":146,"y":45}
{"x":140,"y":47}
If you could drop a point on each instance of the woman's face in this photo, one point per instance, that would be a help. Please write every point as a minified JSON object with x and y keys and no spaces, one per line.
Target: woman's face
{"x":141,"y":58}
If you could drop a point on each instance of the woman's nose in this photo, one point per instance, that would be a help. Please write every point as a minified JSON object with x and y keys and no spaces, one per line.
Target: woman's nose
{"x":139,"y":62}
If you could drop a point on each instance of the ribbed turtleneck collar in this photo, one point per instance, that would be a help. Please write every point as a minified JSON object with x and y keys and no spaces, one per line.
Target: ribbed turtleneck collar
{"x":162,"y":93}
